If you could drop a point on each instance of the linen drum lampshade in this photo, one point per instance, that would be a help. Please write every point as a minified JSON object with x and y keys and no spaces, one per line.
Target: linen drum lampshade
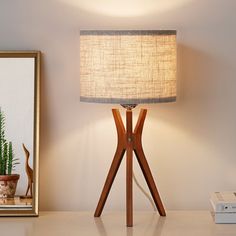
{"x":128,"y":66}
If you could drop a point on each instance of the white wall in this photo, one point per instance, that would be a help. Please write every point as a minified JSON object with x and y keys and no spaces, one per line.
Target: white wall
{"x":190,"y":144}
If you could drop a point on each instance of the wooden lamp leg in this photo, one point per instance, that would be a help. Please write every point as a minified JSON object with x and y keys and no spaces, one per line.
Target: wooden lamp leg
{"x":138,"y":149}
{"x":129,"y":169}
{"x":115,"y":163}
{"x":129,"y":141}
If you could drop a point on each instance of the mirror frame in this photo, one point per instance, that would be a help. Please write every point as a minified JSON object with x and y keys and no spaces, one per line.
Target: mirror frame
{"x":37,"y":58}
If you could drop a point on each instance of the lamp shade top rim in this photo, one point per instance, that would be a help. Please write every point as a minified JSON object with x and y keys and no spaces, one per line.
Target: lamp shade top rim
{"x":128,"y":32}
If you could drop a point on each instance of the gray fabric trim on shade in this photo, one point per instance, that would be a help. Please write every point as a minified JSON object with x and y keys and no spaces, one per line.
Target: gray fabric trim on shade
{"x":127,"y":101}
{"x":127,"y":32}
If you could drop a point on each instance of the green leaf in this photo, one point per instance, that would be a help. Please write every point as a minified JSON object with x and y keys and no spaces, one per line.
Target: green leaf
{"x":7,"y":160}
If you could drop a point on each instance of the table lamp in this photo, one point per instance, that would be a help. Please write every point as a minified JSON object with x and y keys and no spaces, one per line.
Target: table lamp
{"x":128,"y":67}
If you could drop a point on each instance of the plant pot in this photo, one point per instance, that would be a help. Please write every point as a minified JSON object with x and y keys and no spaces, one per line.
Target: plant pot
{"x":8,"y":185}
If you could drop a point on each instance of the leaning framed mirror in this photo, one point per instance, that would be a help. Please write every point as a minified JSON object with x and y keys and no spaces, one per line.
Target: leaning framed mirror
{"x":19,"y":132}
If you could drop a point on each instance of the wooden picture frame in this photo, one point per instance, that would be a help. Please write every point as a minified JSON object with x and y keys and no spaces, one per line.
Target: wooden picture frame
{"x":20,"y":104}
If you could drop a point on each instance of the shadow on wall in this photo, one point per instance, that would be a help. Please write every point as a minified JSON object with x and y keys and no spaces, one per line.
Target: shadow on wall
{"x":196,"y":135}
{"x":203,"y":115}
{"x":204,"y":101}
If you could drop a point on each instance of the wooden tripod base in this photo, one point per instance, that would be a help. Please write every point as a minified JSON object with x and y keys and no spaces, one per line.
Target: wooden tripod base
{"x":129,"y":141}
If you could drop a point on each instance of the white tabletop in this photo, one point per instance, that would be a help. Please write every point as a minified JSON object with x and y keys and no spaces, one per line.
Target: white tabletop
{"x":176,"y":223}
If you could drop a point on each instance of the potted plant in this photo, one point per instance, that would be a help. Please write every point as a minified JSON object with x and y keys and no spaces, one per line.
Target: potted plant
{"x":8,"y":181}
